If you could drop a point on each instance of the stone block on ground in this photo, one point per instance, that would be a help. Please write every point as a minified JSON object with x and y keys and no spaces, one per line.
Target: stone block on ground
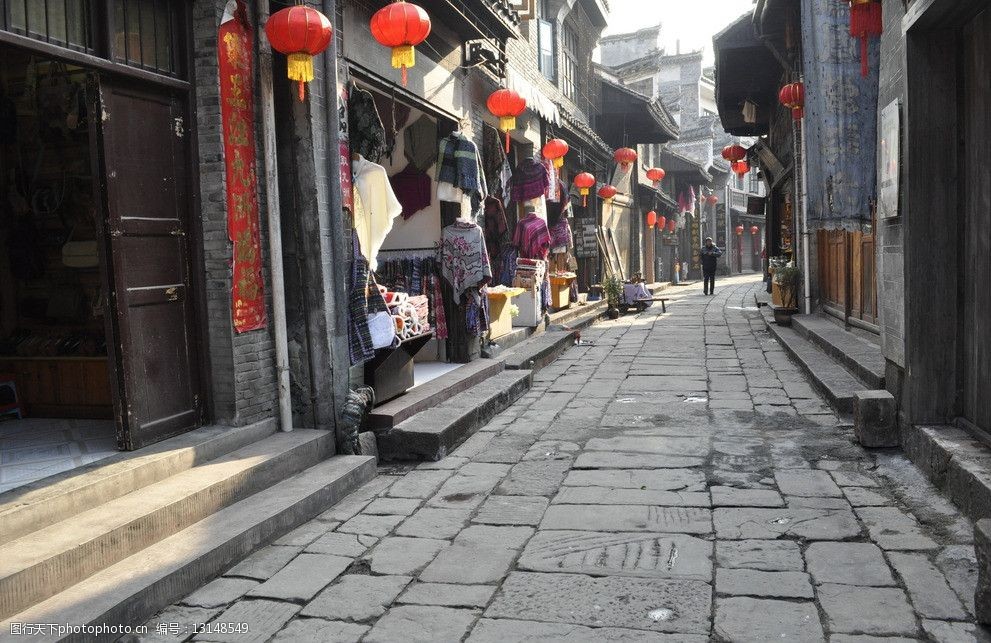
{"x":875,"y":422}
{"x":422,"y":624}
{"x":753,"y":619}
{"x":982,"y":547}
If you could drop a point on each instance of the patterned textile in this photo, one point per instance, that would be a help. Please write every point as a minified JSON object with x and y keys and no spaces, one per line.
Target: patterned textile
{"x":359,"y":337}
{"x":365,"y":130}
{"x":439,"y":320}
{"x":496,"y":228}
{"x":532,"y":238}
{"x":530,"y":181}
{"x":417,"y":276}
{"x":476,"y":306}
{"x":553,"y":192}
{"x":413,"y":188}
{"x":465,"y":260}
{"x":420,"y":143}
{"x":388,"y":107}
{"x":506,"y":266}
{"x":493,"y":162}
{"x":561,"y":236}
{"x":459,"y":167}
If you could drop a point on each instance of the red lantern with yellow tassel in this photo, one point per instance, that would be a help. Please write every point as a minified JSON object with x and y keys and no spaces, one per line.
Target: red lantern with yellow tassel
{"x":300,"y":33}
{"x":754,"y":230}
{"x":866,"y":22}
{"x":651,"y":219}
{"x":672,"y":225}
{"x":661,"y":222}
{"x":555,"y":150}
{"x":739,"y":230}
{"x":655,"y":175}
{"x":792,"y":96}
{"x":506,"y":105}
{"x":740,"y":168}
{"x":607,"y":192}
{"x":584,"y":182}
{"x":401,"y":26}
{"x":625,"y":156}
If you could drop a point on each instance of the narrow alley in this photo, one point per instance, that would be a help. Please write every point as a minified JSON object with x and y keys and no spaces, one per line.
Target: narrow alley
{"x":673,"y":478}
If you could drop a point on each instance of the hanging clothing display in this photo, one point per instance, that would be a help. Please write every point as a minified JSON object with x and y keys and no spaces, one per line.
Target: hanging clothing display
{"x":496,"y":229}
{"x":394,"y":116}
{"x":476,"y":306}
{"x":375,"y":208}
{"x":562,"y":239}
{"x":459,"y":171}
{"x":416,"y":276}
{"x":413,"y":188}
{"x":366,"y":134}
{"x":465,"y":260}
{"x":420,"y":143}
{"x":553,"y":192}
{"x":561,"y":207}
{"x":530,"y":180}
{"x":360,"y":347}
{"x":532,"y":237}
{"x":498,"y":172}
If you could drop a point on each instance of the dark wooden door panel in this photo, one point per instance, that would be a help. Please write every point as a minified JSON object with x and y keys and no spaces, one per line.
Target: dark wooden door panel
{"x":143,"y":152}
{"x":976,"y":261}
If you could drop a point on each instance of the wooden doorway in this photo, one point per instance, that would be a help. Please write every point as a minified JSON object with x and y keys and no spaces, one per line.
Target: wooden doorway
{"x":975,"y":228}
{"x":141,"y":161}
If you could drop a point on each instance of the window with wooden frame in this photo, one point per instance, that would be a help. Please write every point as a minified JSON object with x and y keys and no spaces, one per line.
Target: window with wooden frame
{"x":67,"y":23}
{"x":570,"y":78}
{"x":546,"y":42}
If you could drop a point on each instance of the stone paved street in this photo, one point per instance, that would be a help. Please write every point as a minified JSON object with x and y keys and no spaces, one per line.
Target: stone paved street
{"x":675,"y":478}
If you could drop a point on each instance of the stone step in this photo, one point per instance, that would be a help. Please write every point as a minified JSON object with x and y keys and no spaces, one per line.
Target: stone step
{"x":537,"y":352}
{"x":432,"y":393}
{"x":859,"y":355}
{"x":828,"y":375}
{"x":579,"y":316}
{"x":36,"y":505}
{"x":43,"y":563}
{"x":136,"y":588}
{"x":435,"y":432}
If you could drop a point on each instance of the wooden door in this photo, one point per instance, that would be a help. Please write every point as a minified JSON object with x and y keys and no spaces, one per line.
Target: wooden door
{"x":975,"y":257}
{"x":142,"y":161}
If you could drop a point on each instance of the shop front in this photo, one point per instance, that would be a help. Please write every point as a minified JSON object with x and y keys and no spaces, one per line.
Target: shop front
{"x":100,"y":329}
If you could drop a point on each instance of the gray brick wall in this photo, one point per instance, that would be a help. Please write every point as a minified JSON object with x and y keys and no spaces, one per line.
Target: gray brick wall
{"x":889,"y":238}
{"x":242,"y":368}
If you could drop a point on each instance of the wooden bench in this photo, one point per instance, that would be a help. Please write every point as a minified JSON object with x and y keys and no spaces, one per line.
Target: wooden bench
{"x":642,"y":303}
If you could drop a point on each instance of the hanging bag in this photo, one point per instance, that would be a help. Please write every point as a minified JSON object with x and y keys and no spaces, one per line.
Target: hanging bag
{"x":381,"y":326}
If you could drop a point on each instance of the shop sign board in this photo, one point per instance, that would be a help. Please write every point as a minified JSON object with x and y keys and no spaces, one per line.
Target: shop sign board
{"x":235,"y":56}
{"x":586,"y":239}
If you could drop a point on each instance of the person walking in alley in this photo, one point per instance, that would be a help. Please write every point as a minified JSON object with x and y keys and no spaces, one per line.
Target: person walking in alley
{"x":710,"y":255}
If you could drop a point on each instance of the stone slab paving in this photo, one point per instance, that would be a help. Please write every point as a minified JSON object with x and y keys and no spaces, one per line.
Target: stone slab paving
{"x":674,"y":478}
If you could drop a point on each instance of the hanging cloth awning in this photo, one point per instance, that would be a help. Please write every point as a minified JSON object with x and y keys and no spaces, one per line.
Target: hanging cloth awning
{"x":535,"y":99}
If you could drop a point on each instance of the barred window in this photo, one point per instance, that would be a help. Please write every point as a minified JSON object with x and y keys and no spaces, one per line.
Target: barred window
{"x":143,"y":34}
{"x":569,"y":65}
{"x":66,"y":23}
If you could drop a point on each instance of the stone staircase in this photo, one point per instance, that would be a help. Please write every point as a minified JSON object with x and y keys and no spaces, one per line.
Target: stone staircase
{"x":117,"y":540}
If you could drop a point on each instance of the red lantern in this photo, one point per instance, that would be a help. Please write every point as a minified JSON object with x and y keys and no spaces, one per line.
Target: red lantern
{"x":555,"y":150}
{"x":754,"y":230}
{"x":584,"y":182}
{"x":661,"y":222}
{"x":865,"y":23}
{"x":792,"y":96}
{"x":651,"y":219}
{"x":506,"y":105}
{"x":625,"y":157}
{"x":734,"y":153}
{"x":740,"y":168}
{"x":739,"y":230}
{"x":712,"y":199}
{"x":672,"y":224}
{"x":300,"y":33}
{"x":607,"y":192}
{"x":656,"y":175}
{"x":401,"y":26}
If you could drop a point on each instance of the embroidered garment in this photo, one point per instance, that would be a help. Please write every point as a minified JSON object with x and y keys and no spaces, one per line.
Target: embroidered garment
{"x":496,"y":228}
{"x":413,"y":188}
{"x":532,"y":238}
{"x":366,"y":133}
{"x":359,"y":337}
{"x":561,"y":236}
{"x":420,"y":143}
{"x":375,"y":208}
{"x":465,"y":260}
{"x":530,"y":181}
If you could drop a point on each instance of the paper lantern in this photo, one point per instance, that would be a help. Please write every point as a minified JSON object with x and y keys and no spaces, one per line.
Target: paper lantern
{"x":625,"y":156}
{"x":672,"y":224}
{"x":656,"y":175}
{"x":607,"y":192}
{"x":506,"y":105}
{"x":754,"y":230}
{"x":866,"y":22}
{"x":712,"y":199}
{"x":555,"y":150}
{"x":739,"y":230}
{"x":740,"y":168}
{"x":651,"y":219}
{"x":300,"y":33}
{"x":584,"y":182}
{"x":792,"y":96}
{"x":734,"y":153}
{"x":401,"y":26}
{"x":661,"y":222}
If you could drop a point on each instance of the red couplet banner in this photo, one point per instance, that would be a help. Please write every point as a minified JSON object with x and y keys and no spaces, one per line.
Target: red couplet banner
{"x":235,"y":54}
